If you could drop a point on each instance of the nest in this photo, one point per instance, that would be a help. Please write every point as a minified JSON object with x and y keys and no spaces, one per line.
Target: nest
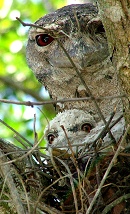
{"x":96,"y":181}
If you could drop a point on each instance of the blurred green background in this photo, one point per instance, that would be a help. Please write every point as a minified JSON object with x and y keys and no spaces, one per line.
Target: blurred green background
{"x":17,"y":81}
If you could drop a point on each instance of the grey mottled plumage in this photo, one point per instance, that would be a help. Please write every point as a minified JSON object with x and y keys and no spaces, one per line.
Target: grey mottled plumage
{"x":80,"y":30}
{"x":80,"y":128}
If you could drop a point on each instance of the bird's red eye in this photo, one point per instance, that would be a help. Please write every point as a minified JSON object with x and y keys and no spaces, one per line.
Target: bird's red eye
{"x":43,"y":39}
{"x":51,"y":138}
{"x":86,"y":127}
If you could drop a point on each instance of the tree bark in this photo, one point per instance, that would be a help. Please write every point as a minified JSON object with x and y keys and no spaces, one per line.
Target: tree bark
{"x":115,"y":15}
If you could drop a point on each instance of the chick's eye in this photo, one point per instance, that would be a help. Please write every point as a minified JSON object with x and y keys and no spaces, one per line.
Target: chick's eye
{"x":51,"y":138}
{"x":43,"y":39}
{"x":86,"y":127}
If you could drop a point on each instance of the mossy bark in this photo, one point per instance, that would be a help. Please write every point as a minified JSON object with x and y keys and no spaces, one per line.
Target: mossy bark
{"x":116,"y":20}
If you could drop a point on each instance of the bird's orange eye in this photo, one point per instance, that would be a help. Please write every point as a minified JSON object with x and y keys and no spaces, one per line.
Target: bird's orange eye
{"x":43,"y":39}
{"x":86,"y":127}
{"x":51,"y":138}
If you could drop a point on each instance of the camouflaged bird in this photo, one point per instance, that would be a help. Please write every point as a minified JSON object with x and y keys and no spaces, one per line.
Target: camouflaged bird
{"x":76,"y":129}
{"x":80,"y":31}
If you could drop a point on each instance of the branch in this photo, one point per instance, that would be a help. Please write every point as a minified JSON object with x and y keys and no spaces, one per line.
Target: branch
{"x":17,"y":86}
{"x":29,"y":103}
{"x":6,"y":174}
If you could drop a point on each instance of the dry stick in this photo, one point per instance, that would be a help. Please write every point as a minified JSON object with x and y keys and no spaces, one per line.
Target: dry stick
{"x":34,"y":130}
{"x":29,"y":103}
{"x":53,"y":162}
{"x":36,"y":154}
{"x":19,"y":140}
{"x":8,"y":152}
{"x":107,"y":171}
{"x":44,"y":115}
{"x":101,"y":134}
{"x":115,"y":202}
{"x":71,"y":182}
{"x":104,"y":131}
{"x":76,"y":166}
{"x":23,"y":156}
{"x":116,"y":121}
{"x":30,"y":25}
{"x":5,"y":171}
{"x":98,"y":179}
{"x":69,"y":144}
{"x":17,"y":134}
{"x":75,"y":163}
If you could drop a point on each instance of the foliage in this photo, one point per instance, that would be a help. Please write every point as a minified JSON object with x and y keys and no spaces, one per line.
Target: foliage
{"x":17,"y":81}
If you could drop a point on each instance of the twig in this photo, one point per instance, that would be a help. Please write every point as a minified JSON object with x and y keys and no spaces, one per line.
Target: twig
{"x":107,"y":171}
{"x":36,"y":153}
{"x":105,"y":129}
{"x":29,"y":103}
{"x":115,"y":202}
{"x":71,"y":182}
{"x":23,"y":156}
{"x":53,"y":162}
{"x":34,"y":130}
{"x":29,"y":24}
{"x":102,"y":133}
{"x":20,"y":141}
{"x":69,"y":144}
{"x":75,"y":164}
{"x":98,"y":179}
{"x":16,"y":133}
{"x":116,"y":121}
{"x":44,"y":115}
